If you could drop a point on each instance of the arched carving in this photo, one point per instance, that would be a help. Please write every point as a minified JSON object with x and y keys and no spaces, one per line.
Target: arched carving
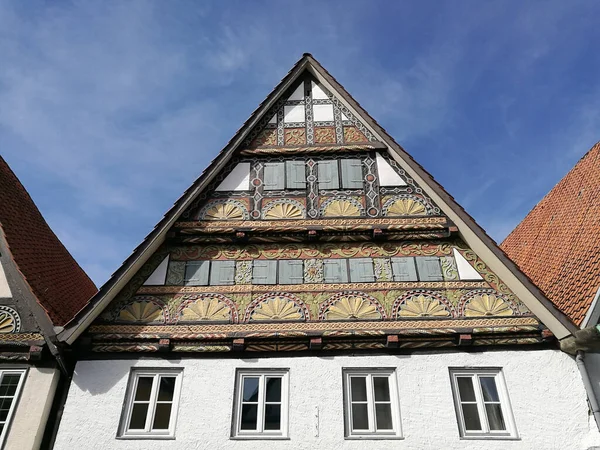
{"x":351,"y":305}
{"x":277,"y":306}
{"x":486,"y":302}
{"x":224,"y":210}
{"x":405,"y":205}
{"x":341,"y":206}
{"x":144,"y":309}
{"x":10,"y":321}
{"x":422,"y":303}
{"x":284,"y":209}
{"x":206,"y":308}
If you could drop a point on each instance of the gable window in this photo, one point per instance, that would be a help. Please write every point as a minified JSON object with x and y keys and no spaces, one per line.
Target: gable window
{"x":290,"y":271}
{"x":203,"y":273}
{"x":371,"y":404}
{"x":196,"y":273}
{"x":361,"y":270}
{"x":264,"y":272}
{"x":404,"y":269}
{"x":335,"y":270}
{"x":351,"y":172}
{"x":429,"y":268}
{"x":420,"y":268}
{"x":482,"y":404}
{"x":151,"y":403}
{"x":284,"y":175}
{"x":11,"y":383}
{"x":222,"y":272}
{"x":261,"y":404}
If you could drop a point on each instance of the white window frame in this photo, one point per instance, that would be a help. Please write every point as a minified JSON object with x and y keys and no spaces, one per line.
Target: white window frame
{"x":485,"y":432}
{"x":260,"y":433}
{"x":13,"y":407}
{"x":148,"y":433}
{"x":372,"y":432}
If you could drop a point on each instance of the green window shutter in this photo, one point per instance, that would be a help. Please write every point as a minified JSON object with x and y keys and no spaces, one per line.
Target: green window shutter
{"x":291,"y":271}
{"x":361,"y":270}
{"x":404,"y":269}
{"x":264,"y":272}
{"x":295,"y":174}
{"x":328,"y":175}
{"x":335,"y":270}
{"x":352,"y":175}
{"x":273,"y":176}
{"x":429,"y":268}
{"x":222,"y":272}
{"x":196,"y":273}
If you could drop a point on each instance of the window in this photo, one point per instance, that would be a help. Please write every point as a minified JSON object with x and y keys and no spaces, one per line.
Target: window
{"x":196,"y":273}
{"x":151,"y":403}
{"x":215,"y":273}
{"x":264,"y":272}
{"x":371,"y":404}
{"x":335,"y":270}
{"x":261,"y":404}
{"x":350,"y":169}
{"x":291,"y":271}
{"x":11,"y":383}
{"x":428,"y":268}
{"x":222,"y":272}
{"x":361,"y":270}
{"x":482,"y":404}
{"x":404,"y":269}
{"x":288,"y":175}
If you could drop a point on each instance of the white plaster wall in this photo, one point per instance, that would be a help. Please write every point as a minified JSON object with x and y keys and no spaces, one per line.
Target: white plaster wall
{"x":29,"y":422}
{"x":545,"y":389}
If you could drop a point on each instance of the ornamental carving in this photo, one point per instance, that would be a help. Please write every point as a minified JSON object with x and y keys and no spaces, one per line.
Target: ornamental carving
{"x":207,"y":308}
{"x":295,"y":136}
{"x":284,"y":209}
{"x":267,"y":137}
{"x":10,"y":322}
{"x":351,"y":306}
{"x":325,"y":135}
{"x":449,"y":270}
{"x":404,"y":205}
{"x":383,"y":269}
{"x":277,"y":306}
{"x":143,"y":310}
{"x":243,"y":272}
{"x":225,"y":210}
{"x":486,"y":303}
{"x":421,"y":303}
{"x":352,"y":134}
{"x":342,"y":207}
{"x":313,"y":271}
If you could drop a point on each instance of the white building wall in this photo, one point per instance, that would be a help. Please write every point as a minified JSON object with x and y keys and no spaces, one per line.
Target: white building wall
{"x":33,"y":407}
{"x":545,"y":389}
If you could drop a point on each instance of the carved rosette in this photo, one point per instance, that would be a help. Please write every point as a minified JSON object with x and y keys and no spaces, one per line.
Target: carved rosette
{"x":313,"y":270}
{"x":10,"y":322}
{"x":143,"y":310}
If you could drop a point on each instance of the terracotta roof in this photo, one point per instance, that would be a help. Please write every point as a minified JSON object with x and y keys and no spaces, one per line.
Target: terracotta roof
{"x":62,"y":287}
{"x":558,"y":243}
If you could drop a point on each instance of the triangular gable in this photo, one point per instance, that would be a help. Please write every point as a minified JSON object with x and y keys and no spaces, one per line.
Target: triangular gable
{"x":323,"y":84}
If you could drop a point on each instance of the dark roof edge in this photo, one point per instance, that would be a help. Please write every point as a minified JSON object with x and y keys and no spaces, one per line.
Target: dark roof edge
{"x":81,"y":320}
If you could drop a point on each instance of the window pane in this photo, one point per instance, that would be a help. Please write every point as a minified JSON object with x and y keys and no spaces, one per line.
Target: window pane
{"x":273,"y":390}
{"x":383,"y":416}
{"x":250,"y":390}
{"x":382,"y":389}
{"x":272,"y":417}
{"x":5,"y":407}
{"x":162,"y":416}
{"x":166,"y":389}
{"x":471,"y":417}
{"x":9,"y":384}
{"x":358,"y":386}
{"x":138,"y":416}
{"x":465,"y":387}
{"x":144,"y":386}
{"x":488,"y":387}
{"x":360,"y":417}
{"x":495,"y":417}
{"x":249,"y":417}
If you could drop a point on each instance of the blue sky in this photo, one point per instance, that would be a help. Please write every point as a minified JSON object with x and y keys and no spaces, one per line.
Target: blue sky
{"x":110,"y":109}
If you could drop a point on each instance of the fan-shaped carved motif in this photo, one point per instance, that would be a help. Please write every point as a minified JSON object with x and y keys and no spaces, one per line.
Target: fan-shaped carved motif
{"x":341,"y":208}
{"x":487,"y":305}
{"x":406,"y":207}
{"x":10,"y":321}
{"x":351,"y":306}
{"x":422,"y":306}
{"x":225,"y":211}
{"x":206,"y":309}
{"x":277,"y":308}
{"x":141,"y":311}
{"x":284,"y":210}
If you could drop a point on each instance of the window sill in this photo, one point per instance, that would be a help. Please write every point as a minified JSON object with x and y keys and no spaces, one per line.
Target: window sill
{"x":146,"y":437}
{"x":374,"y":437}
{"x":490,"y":438}
{"x":259,"y":438}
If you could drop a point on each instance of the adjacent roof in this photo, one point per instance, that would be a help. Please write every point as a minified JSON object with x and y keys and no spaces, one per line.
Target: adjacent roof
{"x":558,"y":243}
{"x":61,"y":287}
{"x":471,"y":233}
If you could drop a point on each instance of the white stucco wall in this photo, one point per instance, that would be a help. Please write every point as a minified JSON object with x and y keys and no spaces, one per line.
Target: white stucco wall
{"x":29,"y":422}
{"x":545,"y":389}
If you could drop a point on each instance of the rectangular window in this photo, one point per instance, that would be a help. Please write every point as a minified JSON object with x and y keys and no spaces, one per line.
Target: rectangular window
{"x":222,"y":273}
{"x":264,"y":272}
{"x":274,"y":177}
{"x":404,"y":269}
{"x":328,"y":175}
{"x":371,"y":404}
{"x":196,"y":273}
{"x":352,"y":174}
{"x":430,"y":268}
{"x":291,"y":271}
{"x":295,"y":174}
{"x":361,"y":270}
{"x":261,"y":404}
{"x":151,"y":404}
{"x":11,"y":383}
{"x":482,"y":404}
{"x":335,"y":270}
{"x":288,"y":175}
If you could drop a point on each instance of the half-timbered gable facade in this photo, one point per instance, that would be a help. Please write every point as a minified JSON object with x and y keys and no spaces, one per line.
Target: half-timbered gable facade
{"x":315,"y":285}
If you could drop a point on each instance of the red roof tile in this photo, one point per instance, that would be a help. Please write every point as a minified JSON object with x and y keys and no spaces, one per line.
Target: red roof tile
{"x":60,"y":285}
{"x":558,"y":243}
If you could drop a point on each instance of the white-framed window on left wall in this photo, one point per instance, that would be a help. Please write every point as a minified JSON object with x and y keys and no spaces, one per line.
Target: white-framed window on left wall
{"x":11,"y":385}
{"x":151,"y":404}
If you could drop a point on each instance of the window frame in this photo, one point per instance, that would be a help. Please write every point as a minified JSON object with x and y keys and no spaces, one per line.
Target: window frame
{"x":372,"y":433}
{"x":23,"y":372}
{"x":284,"y":168}
{"x":342,"y":182}
{"x":128,"y":402}
{"x":474,"y":373}
{"x":283,"y":433}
